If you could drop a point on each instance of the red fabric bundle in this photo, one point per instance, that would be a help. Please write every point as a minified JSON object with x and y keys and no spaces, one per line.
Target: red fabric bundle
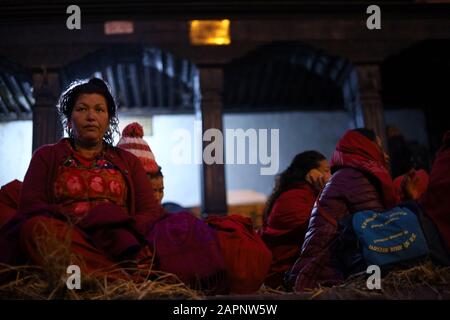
{"x":9,"y":200}
{"x":188,"y":247}
{"x":247,"y":258}
{"x":422,"y":183}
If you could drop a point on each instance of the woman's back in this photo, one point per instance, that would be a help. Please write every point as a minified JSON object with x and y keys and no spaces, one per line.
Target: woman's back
{"x":348,"y":191}
{"x":292,"y":208}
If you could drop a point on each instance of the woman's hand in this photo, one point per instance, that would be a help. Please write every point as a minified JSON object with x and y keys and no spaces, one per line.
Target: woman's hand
{"x":409,"y":186}
{"x":316,"y":178}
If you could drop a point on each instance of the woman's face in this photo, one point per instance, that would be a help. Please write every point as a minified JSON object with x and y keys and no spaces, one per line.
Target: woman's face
{"x":324,"y":168}
{"x":89,"y":119}
{"x":158,"y":188}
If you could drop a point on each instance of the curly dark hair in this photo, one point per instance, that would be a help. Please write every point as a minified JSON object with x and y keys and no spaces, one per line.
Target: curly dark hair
{"x":296,"y":172}
{"x":68,"y":98}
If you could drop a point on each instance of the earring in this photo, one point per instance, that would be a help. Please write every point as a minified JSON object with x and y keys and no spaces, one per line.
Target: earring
{"x":69,"y":131}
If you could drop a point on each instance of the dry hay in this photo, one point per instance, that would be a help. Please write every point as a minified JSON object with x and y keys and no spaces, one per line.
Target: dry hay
{"x":48,"y":281}
{"x":34,"y":283}
{"x":424,"y":281}
{"x":271,"y":291}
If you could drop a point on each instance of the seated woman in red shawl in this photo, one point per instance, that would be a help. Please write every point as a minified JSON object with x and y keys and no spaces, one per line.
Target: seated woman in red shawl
{"x":288,"y":210}
{"x":85,"y":187}
{"x":360,"y":181}
{"x":436,"y":199}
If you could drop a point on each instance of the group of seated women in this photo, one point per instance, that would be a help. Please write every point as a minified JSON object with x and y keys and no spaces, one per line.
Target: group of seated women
{"x":302,"y":218}
{"x":107,"y":199}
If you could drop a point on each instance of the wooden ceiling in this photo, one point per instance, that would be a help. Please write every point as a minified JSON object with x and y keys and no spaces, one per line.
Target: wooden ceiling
{"x":274,"y":76}
{"x":47,"y":12}
{"x":141,"y":78}
{"x":16,"y":95}
{"x":417,"y":75}
{"x":286,"y":76}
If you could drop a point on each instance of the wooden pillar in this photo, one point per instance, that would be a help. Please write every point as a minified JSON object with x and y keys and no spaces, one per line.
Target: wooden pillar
{"x":213,"y":190}
{"x":372,"y":113}
{"x":46,"y":125}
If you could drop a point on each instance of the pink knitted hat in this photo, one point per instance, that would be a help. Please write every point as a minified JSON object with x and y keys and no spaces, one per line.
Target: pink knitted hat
{"x":132,"y":141}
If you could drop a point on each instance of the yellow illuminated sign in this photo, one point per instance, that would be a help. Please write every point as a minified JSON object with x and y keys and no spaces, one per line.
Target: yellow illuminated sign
{"x":210,"y":32}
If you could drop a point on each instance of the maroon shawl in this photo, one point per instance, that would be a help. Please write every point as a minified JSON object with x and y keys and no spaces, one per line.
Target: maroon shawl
{"x":356,"y":151}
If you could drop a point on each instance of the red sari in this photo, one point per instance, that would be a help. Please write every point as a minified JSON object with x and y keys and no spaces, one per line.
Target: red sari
{"x":102,"y":234}
{"x":81,"y":185}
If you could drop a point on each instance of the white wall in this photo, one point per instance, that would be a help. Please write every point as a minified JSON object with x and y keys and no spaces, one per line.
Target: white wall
{"x":181,"y":181}
{"x":299,"y":131}
{"x":16,"y":140}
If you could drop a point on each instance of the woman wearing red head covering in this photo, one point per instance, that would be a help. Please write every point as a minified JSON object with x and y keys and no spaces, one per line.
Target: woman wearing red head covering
{"x":360,"y":181}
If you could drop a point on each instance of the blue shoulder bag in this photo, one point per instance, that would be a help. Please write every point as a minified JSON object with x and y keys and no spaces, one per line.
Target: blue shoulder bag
{"x":390,"y":237}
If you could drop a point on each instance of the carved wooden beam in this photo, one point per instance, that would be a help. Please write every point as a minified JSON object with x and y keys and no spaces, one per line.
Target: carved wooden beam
{"x":372,"y":113}
{"x":213,"y":190}
{"x":46,"y":125}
